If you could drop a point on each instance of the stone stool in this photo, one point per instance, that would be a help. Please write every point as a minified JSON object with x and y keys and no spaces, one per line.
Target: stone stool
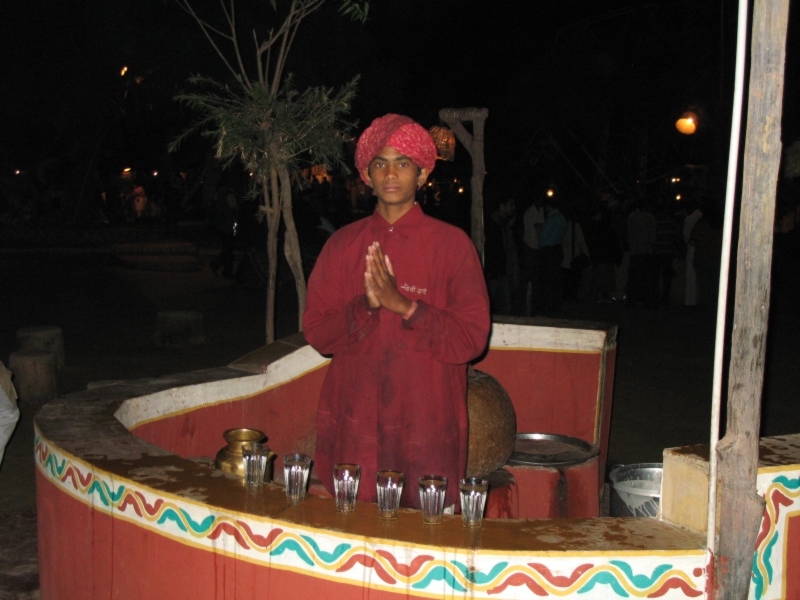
{"x":35,"y":376}
{"x":48,"y":338}
{"x":179,"y":328}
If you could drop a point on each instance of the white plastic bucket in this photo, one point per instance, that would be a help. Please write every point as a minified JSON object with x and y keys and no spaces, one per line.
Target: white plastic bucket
{"x":636,"y":490}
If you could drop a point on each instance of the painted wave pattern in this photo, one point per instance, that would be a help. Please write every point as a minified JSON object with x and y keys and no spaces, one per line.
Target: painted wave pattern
{"x":352,"y":563}
{"x":782,"y":496}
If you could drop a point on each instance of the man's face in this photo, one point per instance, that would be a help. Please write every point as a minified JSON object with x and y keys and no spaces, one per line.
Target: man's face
{"x":394,"y":177}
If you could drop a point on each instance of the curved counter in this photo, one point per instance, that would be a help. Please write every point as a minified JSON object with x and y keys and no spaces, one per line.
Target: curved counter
{"x":126,"y":510}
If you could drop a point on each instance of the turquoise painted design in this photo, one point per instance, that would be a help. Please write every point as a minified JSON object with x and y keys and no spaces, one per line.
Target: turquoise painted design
{"x":293,"y":546}
{"x":641,"y":581}
{"x":790,"y":484}
{"x":276,"y":544}
{"x":52,"y":464}
{"x":328,"y":557}
{"x":440,"y":573}
{"x":783,"y":494}
{"x":477,"y":576}
{"x":605,"y":578}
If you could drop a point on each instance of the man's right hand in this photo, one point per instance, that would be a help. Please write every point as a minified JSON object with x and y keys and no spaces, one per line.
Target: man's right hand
{"x":380,"y":284}
{"x":372,"y":299}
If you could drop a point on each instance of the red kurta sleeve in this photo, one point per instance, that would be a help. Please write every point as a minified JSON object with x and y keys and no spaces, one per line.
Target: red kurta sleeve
{"x":458,"y":332}
{"x":331,"y":320}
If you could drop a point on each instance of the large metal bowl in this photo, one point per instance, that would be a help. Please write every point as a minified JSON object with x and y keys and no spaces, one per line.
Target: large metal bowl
{"x":551,"y":450}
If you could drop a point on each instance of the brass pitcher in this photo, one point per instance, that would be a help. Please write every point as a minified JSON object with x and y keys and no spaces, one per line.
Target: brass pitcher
{"x":230,"y":459}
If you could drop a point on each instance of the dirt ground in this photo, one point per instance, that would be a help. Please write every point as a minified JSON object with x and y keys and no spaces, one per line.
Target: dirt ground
{"x":662,"y":388}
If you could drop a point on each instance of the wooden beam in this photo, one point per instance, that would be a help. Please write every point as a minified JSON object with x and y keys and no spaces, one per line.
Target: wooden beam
{"x":740,"y":507}
{"x":474,"y":145}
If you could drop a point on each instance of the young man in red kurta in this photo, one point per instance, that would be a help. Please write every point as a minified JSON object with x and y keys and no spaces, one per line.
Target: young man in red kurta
{"x":400,"y":302}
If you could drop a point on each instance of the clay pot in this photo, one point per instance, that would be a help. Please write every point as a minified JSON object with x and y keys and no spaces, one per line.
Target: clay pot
{"x":230,"y":459}
{"x":492,"y":424}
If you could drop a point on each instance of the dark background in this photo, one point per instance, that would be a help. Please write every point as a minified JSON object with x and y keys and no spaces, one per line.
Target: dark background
{"x":557,"y":77}
{"x":562,"y":81}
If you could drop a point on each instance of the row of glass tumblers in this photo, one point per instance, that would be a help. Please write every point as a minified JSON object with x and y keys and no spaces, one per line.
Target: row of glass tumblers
{"x":432,"y":488}
{"x":346,"y":477}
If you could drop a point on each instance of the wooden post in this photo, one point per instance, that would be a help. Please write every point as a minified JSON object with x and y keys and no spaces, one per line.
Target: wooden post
{"x":740,"y":507}
{"x":474,"y":145}
{"x":35,"y":376}
{"x":47,"y":338}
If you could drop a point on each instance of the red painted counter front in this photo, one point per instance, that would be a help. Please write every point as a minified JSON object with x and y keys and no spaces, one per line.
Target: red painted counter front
{"x":127,"y":511}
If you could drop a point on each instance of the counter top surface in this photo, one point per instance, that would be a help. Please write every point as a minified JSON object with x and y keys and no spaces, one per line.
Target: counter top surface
{"x":83,"y":425}
{"x":776,"y":451}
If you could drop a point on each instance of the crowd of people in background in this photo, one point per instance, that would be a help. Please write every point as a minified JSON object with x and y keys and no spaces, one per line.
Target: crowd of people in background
{"x":539,"y":251}
{"x":612,"y":250}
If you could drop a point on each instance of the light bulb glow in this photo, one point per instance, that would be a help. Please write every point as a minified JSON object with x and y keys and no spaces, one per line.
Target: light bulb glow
{"x":687,"y":124}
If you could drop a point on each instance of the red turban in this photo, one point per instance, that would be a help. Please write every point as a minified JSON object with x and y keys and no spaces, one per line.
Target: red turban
{"x":401,"y":133}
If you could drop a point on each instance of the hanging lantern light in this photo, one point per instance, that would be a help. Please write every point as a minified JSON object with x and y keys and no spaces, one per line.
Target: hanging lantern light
{"x":319,"y":172}
{"x":445,"y":141}
{"x":687,"y":124}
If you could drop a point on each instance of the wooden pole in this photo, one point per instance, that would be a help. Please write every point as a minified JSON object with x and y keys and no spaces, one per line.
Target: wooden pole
{"x":742,"y":28}
{"x":740,"y":507}
{"x":474,"y":145}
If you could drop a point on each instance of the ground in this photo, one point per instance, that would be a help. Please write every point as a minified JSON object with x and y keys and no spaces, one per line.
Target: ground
{"x":662,"y":388}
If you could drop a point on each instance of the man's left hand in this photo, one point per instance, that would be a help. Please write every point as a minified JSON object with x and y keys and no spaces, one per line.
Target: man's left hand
{"x":381,"y":281}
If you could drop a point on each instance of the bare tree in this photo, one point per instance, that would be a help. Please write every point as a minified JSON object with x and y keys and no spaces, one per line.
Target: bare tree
{"x":272,"y":128}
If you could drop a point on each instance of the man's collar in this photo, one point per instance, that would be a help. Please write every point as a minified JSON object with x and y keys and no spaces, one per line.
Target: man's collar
{"x":409,"y":220}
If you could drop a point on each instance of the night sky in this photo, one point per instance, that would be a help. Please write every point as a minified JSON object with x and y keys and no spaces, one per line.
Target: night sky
{"x":563,"y":81}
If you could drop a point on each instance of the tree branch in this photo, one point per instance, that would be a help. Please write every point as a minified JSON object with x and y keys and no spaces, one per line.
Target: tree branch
{"x":184,"y":4}
{"x":259,"y":64}
{"x":235,"y":41}
{"x":294,"y":33}
{"x":205,"y":27}
{"x":225,"y":11}
{"x":292,"y":22}
{"x":276,"y":76}
{"x":267,"y":44}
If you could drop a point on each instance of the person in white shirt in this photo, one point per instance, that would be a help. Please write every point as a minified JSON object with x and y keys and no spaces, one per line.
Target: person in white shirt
{"x":533,"y":216}
{"x":690,"y":296}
